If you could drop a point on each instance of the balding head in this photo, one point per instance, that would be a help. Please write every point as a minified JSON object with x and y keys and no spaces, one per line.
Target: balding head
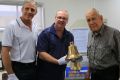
{"x":93,"y":10}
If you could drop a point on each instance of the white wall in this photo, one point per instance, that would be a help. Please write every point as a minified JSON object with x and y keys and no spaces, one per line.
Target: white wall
{"x":110,"y":10}
{"x":76,"y":10}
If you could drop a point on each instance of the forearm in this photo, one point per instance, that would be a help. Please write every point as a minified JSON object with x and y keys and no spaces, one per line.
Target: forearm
{"x":45,"y":56}
{"x":6,"y":60}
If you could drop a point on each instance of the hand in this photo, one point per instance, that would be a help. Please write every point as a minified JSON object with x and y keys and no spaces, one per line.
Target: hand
{"x":12,"y":77}
{"x":62,"y":60}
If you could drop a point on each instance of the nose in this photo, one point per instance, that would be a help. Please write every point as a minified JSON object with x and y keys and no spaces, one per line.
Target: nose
{"x":61,"y":19}
{"x":29,"y":11}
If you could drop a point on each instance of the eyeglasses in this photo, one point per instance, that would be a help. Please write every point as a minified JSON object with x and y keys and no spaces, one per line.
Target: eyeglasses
{"x":63,"y":18}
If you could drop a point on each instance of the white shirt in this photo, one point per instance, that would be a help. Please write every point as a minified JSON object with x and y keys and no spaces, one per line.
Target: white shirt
{"x":21,"y":40}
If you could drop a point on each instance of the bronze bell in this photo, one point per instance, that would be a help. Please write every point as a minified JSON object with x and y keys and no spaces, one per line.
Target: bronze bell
{"x":73,"y":55}
{"x":72,"y":52}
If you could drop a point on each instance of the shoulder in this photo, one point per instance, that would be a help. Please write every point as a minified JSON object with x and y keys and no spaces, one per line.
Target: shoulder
{"x":44,"y":32}
{"x":112,"y":29}
{"x":69,"y":35}
{"x":10,"y":26}
{"x":68,"y":32}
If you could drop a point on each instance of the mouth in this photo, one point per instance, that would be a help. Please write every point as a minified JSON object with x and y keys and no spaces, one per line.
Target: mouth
{"x":62,"y":23}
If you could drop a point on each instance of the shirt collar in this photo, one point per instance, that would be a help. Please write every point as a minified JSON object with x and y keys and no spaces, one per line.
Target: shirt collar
{"x":21,"y":24}
{"x":100,"y":33}
{"x":52,"y":30}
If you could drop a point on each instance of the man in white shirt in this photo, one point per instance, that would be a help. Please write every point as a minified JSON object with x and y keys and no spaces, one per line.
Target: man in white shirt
{"x":18,"y":45}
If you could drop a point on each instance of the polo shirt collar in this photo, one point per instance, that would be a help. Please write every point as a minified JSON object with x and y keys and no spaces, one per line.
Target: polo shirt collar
{"x":52,"y":30}
{"x":21,"y":24}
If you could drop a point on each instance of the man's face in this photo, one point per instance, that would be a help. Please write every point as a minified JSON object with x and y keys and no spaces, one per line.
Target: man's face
{"x":28,"y":11}
{"x":61,"y":20}
{"x":94,"y":21}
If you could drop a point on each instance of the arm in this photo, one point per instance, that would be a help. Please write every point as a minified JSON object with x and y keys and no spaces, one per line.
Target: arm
{"x":7,"y":63}
{"x":42,"y":47}
{"x":117,"y":45}
{"x":6,"y":59}
{"x":45,"y":56}
{"x":6,"y":47}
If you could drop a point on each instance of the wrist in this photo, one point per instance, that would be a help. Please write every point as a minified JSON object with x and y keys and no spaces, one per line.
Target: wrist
{"x":62,"y":60}
{"x":11,"y":75}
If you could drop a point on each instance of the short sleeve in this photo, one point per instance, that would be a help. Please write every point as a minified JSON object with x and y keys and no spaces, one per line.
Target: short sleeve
{"x":42,"y":42}
{"x":7,"y":36}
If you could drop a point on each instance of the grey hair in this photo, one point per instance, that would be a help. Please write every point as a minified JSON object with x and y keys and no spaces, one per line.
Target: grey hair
{"x":95,"y":11}
{"x":30,"y":1}
{"x":63,"y":10}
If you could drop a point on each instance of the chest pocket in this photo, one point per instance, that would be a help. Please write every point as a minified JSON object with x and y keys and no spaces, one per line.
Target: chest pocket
{"x":100,"y":52}
{"x":103,"y":52}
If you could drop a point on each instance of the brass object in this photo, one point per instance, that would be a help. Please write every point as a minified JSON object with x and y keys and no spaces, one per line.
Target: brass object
{"x":75,"y":65}
{"x":73,"y":55}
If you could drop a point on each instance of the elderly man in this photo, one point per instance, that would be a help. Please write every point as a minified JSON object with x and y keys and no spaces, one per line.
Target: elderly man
{"x":103,"y":48}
